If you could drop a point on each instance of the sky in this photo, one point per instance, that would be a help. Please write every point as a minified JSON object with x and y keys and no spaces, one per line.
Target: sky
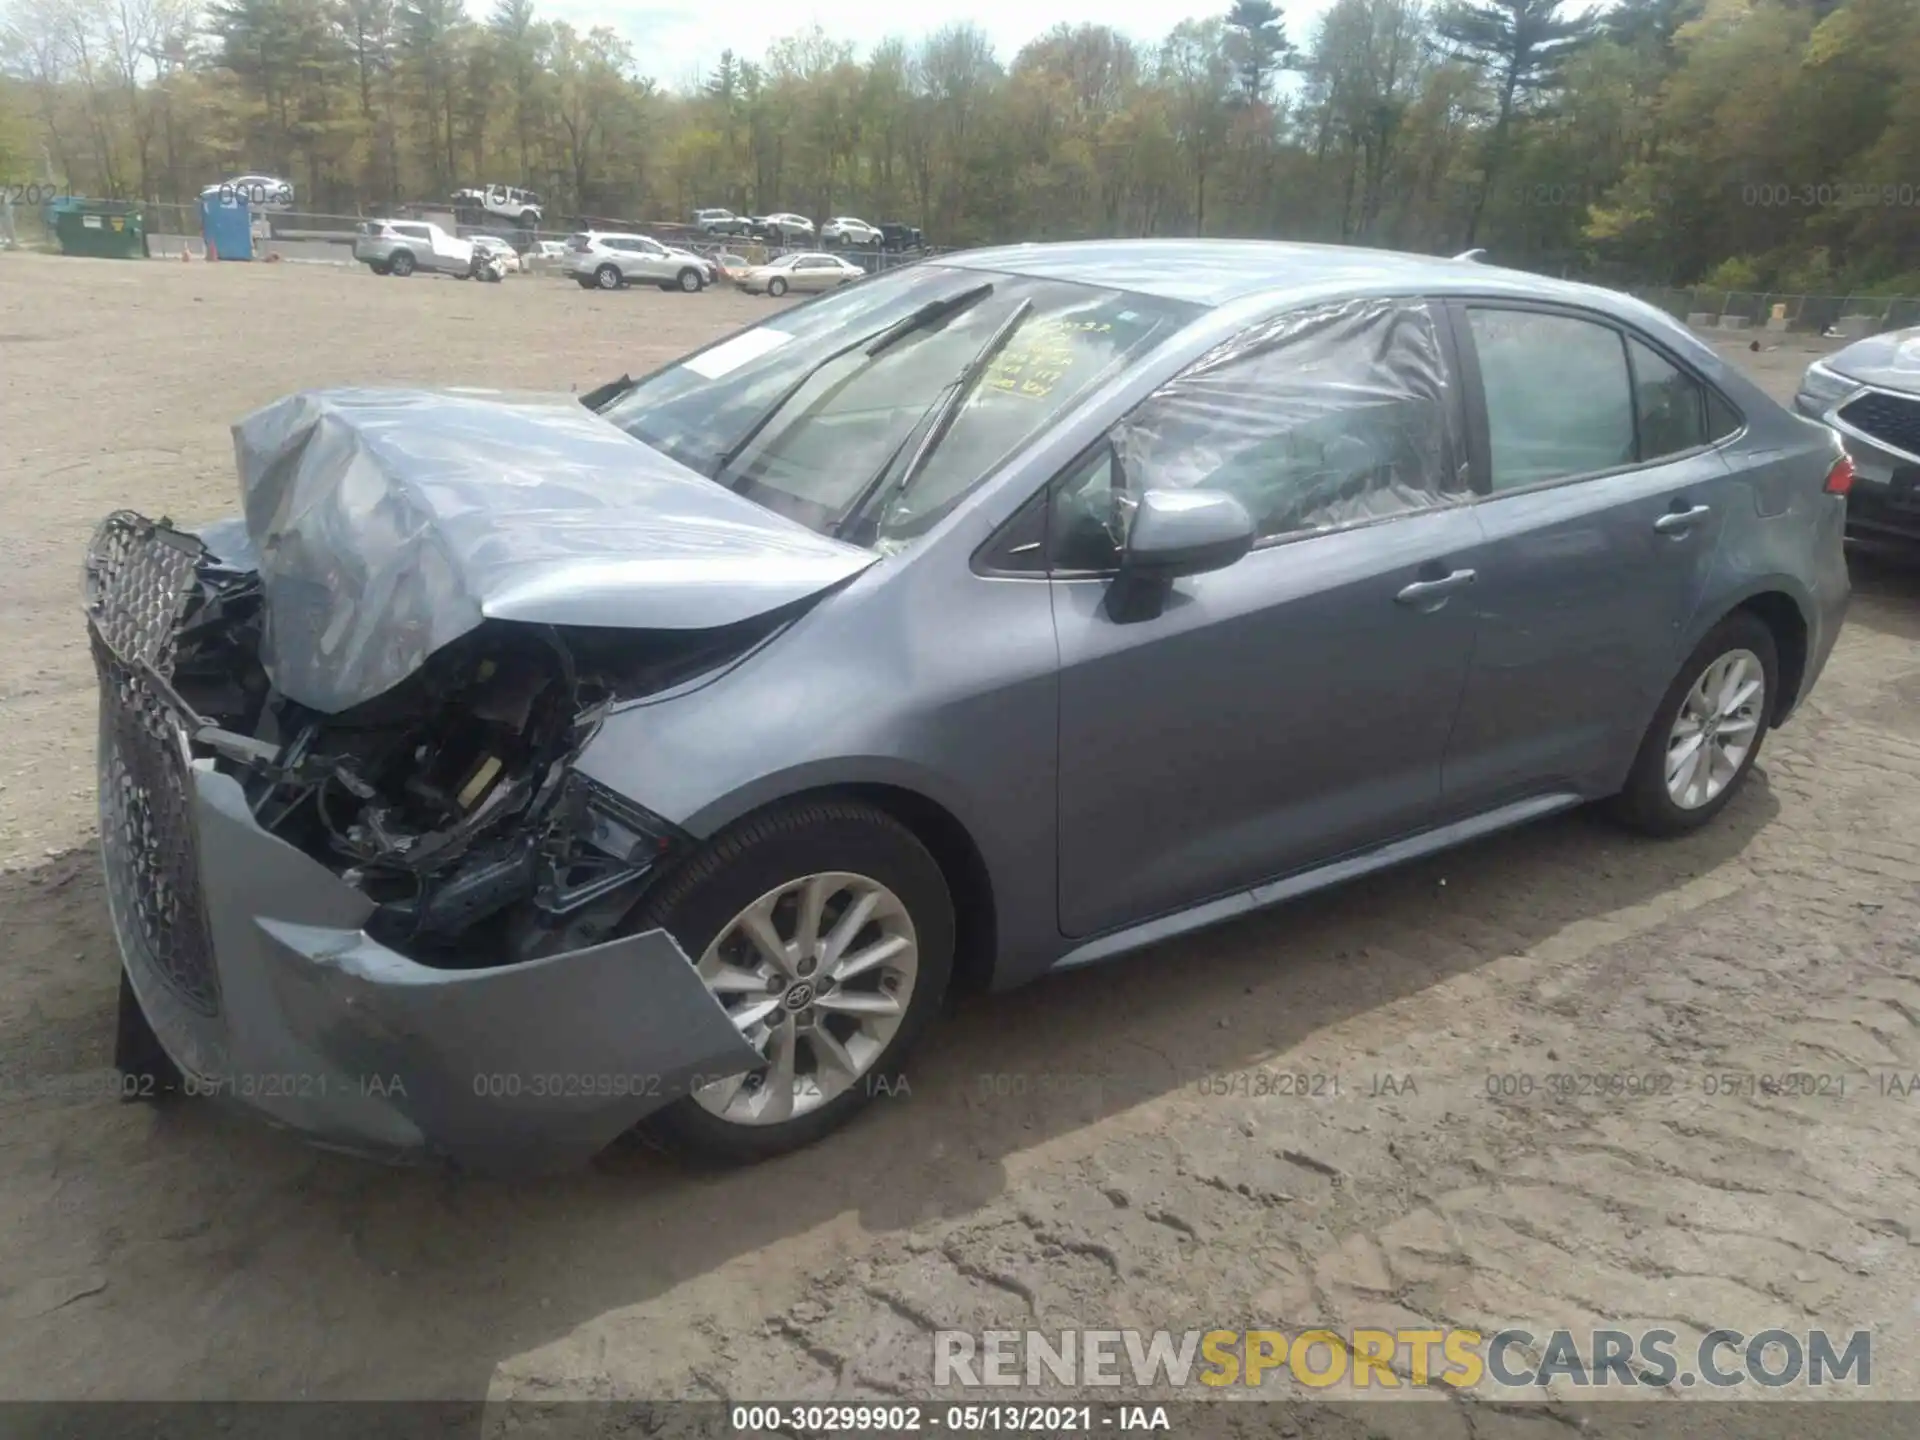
{"x":679,"y":40}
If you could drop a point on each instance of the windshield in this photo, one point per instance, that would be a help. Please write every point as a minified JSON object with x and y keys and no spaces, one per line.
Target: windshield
{"x":820,"y":453}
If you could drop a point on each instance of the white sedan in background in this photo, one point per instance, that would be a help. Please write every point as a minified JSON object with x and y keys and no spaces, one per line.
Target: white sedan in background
{"x":804,"y":271}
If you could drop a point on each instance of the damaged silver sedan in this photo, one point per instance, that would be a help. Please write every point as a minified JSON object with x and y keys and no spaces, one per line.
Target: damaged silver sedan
{"x":516,"y":770}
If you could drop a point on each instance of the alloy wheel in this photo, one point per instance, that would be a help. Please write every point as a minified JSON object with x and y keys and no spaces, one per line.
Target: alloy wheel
{"x":1715,"y":731}
{"x":816,"y":974}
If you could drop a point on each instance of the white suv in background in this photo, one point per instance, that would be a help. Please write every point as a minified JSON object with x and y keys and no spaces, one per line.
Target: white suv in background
{"x":599,"y":260}
{"x":848,"y":230}
{"x":400,"y":247}
{"x":509,"y":202}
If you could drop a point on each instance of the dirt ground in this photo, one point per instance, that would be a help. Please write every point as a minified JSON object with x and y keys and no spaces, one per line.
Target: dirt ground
{"x":1101,"y":1149}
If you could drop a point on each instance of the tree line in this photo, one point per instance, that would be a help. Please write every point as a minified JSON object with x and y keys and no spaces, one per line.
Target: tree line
{"x":1747,"y":143}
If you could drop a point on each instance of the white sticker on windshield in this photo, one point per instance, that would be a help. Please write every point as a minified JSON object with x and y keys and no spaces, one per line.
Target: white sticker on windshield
{"x":730,"y":355}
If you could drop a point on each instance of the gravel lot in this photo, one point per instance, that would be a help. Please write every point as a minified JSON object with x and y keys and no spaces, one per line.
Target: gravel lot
{"x":1065,"y":1157}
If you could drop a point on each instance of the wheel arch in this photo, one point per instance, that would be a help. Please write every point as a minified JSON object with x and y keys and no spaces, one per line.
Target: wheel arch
{"x":1784,"y":608}
{"x":962,"y":862}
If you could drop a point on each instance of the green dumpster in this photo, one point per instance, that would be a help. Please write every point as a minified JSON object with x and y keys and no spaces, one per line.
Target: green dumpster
{"x":104,"y":229}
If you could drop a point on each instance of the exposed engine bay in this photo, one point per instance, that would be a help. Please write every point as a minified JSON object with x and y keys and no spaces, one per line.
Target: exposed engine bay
{"x":448,"y":800}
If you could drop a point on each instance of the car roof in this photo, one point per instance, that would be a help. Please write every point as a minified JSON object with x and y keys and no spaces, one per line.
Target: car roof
{"x":1217,"y":272}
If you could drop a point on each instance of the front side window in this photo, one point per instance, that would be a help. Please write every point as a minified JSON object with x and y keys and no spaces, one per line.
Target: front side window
{"x":1558,"y":397}
{"x":1314,"y":420}
{"x":828,"y":412}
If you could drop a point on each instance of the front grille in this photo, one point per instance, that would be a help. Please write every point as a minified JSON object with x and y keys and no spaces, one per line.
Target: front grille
{"x":1893,"y":420}
{"x":138,"y":579}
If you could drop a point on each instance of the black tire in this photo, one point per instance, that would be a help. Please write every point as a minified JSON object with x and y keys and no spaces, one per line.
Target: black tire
{"x":776,"y":287}
{"x":608,"y":277}
{"x":690,"y":281}
{"x":757,"y":855}
{"x":146,"y":1071}
{"x":400,"y":263}
{"x":1644,"y":804}
{"x":587,"y":284}
{"x":529,"y":220}
{"x":464,"y":275}
{"x":377,"y":268}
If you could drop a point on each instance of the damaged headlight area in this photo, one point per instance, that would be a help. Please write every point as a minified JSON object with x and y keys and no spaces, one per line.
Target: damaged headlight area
{"x":449,"y":800}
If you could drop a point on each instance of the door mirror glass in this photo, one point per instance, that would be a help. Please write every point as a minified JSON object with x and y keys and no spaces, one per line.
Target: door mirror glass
{"x":1186,"y":532}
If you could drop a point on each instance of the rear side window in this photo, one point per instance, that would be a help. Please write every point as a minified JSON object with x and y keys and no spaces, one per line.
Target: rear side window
{"x":1670,"y":405}
{"x":413,"y":232}
{"x":1558,"y":397}
{"x":1722,"y":419}
{"x":1313,"y":420}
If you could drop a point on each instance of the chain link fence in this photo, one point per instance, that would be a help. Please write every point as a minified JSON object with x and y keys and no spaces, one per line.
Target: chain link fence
{"x":1849,"y":315}
{"x":326,"y":238}
{"x":295,"y":235}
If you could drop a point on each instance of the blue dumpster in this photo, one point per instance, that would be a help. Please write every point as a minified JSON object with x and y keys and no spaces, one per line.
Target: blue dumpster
{"x":227,"y":226}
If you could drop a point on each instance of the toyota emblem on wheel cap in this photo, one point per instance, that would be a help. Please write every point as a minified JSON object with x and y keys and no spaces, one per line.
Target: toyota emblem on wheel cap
{"x":799,"y":997}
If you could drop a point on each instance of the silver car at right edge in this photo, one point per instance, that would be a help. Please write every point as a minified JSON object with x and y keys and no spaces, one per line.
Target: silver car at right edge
{"x":1870,"y":393}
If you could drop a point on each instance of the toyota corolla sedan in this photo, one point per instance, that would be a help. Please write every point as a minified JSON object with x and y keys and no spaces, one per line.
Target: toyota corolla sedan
{"x":517,"y":769}
{"x":1870,"y":393}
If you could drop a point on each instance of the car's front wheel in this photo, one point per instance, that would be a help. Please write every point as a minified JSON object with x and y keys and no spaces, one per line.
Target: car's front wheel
{"x":825,"y":930}
{"x":776,"y":287}
{"x":1707,"y":732}
{"x":607,"y":277}
{"x":690,"y":280}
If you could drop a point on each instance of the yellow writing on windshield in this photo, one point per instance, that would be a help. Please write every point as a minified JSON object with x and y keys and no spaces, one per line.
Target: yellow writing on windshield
{"x":1039,"y":356}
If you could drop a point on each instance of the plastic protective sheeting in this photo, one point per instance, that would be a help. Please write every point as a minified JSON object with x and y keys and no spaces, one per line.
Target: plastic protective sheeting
{"x":1315,"y":419}
{"x":388,"y":523}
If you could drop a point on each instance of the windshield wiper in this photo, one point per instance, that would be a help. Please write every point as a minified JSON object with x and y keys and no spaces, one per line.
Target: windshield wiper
{"x":599,"y":398}
{"x":938,"y":420}
{"x":930,"y":313}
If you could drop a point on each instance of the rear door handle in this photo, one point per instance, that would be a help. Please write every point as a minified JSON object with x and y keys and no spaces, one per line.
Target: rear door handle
{"x":1421,"y":591}
{"x":1678,"y":522}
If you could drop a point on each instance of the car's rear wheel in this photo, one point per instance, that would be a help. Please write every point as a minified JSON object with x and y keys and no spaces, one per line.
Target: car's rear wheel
{"x":1706,"y":733}
{"x":401,"y":264}
{"x":825,"y":929}
{"x":587,"y":284}
{"x":690,"y":281}
{"x":379,"y":267}
{"x":607,"y":277}
{"x":776,"y":286}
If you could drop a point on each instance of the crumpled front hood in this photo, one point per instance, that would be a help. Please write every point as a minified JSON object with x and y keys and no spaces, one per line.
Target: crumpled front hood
{"x":388,"y":523}
{"x":1891,"y":361}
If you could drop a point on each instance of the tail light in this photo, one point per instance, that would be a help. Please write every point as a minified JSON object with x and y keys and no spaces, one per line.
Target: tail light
{"x":1840,"y":477}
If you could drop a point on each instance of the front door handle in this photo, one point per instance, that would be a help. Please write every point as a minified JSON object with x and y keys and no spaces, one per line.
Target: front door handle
{"x":1421,"y":592}
{"x":1678,"y":522}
